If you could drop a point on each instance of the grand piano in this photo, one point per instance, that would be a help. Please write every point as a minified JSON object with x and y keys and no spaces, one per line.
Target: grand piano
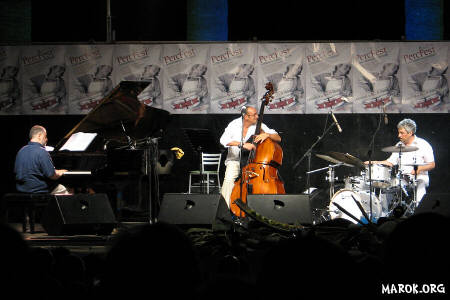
{"x":121,"y":160}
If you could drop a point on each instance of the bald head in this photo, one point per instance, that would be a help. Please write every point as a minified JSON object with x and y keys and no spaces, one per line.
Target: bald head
{"x":38,"y":134}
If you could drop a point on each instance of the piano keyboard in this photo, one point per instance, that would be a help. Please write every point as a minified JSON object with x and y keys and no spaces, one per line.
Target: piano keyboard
{"x":78,"y":173}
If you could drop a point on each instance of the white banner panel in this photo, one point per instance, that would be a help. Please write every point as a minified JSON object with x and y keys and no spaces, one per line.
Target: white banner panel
{"x":10,"y":87}
{"x":425,"y":86}
{"x":90,"y":69}
{"x":44,"y":80}
{"x":376,"y":82}
{"x":185,"y":84}
{"x":232,"y":77}
{"x":140,"y":63}
{"x":282,"y":65}
{"x":329,"y":82}
{"x":199,"y":78}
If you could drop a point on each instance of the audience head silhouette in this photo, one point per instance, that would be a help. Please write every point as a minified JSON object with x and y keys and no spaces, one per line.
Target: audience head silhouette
{"x":157,"y":258}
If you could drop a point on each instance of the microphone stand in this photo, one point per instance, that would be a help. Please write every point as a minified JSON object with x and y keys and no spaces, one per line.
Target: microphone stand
{"x":151,"y":153}
{"x":308,"y":154}
{"x":200,"y":168}
{"x":369,"y":153}
{"x":240,"y":157}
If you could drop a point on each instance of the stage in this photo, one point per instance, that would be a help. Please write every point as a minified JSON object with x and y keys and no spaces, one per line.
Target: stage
{"x":265,"y":259}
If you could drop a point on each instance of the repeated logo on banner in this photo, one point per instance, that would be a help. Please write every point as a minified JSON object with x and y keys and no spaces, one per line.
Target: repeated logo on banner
{"x":220,"y":78}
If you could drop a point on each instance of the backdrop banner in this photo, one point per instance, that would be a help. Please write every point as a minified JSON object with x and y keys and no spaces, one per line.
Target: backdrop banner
{"x":140,"y":63}
{"x":90,"y":70}
{"x":282,"y":65}
{"x":185,"y":78}
{"x":376,"y":87}
{"x":10,"y":80}
{"x":233,"y":78}
{"x":425,"y":78}
{"x":220,"y":78}
{"x":44,"y":80}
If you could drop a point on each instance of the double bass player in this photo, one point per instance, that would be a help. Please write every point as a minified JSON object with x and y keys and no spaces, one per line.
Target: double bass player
{"x":231,"y":139}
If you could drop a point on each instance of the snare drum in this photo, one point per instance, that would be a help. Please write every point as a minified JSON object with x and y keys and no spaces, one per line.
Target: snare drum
{"x":396,"y":182}
{"x":380,"y":176}
{"x":344,"y":198}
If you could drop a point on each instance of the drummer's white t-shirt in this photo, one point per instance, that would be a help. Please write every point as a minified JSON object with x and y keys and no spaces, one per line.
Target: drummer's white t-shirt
{"x":422,"y":155}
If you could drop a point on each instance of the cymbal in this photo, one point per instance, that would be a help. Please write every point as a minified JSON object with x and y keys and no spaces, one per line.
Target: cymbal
{"x":345,"y":158}
{"x":399,"y":148}
{"x":328,"y":158}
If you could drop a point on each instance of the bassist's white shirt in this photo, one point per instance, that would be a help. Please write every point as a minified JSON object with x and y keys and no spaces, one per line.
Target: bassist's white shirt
{"x":233,"y":132}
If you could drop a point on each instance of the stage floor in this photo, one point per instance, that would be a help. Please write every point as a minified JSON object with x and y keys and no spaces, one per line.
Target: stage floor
{"x":80,"y":244}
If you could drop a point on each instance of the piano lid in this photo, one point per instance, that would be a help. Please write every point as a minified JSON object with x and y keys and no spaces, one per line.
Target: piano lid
{"x":122,"y":107}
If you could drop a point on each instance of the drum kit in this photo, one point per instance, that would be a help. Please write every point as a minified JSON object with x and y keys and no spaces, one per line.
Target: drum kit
{"x":379,"y":190}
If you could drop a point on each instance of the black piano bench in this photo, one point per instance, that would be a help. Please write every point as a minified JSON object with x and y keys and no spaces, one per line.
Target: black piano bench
{"x":28,"y":202}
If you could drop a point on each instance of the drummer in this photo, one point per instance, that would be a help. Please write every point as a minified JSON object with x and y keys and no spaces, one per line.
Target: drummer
{"x":421,"y":157}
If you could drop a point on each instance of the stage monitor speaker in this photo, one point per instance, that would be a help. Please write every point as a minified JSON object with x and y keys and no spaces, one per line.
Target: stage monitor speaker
{"x":195,"y":209}
{"x":284,"y":208}
{"x":439,"y":204}
{"x":78,"y":214}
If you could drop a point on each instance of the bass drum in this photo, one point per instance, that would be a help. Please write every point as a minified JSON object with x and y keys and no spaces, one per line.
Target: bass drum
{"x":344,"y":198}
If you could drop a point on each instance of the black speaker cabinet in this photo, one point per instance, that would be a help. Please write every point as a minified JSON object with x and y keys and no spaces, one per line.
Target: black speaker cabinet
{"x":194,"y":209}
{"x":78,"y":214}
{"x":439,"y":204}
{"x":284,"y":208}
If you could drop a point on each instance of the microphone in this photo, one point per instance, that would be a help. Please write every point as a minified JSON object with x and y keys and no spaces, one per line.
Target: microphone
{"x":130,"y":142}
{"x":386,"y":121}
{"x":336,"y":122}
{"x":243,"y":110}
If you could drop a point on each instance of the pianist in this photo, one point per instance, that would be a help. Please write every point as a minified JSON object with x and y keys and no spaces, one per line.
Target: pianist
{"x":35,"y":172}
{"x":34,"y":169}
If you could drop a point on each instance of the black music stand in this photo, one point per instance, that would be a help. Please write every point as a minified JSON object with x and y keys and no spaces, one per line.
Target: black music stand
{"x":201,"y":140}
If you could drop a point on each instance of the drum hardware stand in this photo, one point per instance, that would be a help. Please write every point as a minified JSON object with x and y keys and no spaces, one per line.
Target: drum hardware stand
{"x":331,"y":179}
{"x":330,"y":176}
{"x":399,"y":196}
{"x":371,"y":146}
{"x":308,"y":154}
{"x":412,"y":206}
{"x":370,"y":190}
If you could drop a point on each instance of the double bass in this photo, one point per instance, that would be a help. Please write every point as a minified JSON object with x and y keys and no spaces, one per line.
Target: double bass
{"x":260,"y":174}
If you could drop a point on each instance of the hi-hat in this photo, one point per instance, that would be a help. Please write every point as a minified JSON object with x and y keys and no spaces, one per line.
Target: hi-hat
{"x":399,"y":148}
{"x":345,"y":158}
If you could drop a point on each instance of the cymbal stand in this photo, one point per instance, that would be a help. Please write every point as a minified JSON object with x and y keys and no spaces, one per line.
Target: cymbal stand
{"x":412,"y":206}
{"x":369,"y":220}
{"x":371,"y":149}
{"x":331,"y":179}
{"x":399,"y":198}
{"x":330,"y":176}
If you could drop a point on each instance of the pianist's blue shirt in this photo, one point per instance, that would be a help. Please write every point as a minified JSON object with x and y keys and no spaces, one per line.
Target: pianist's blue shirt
{"x":33,"y":167}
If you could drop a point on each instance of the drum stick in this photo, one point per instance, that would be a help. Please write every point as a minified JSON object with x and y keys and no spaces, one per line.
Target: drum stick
{"x":361,"y":209}
{"x":347,"y":213}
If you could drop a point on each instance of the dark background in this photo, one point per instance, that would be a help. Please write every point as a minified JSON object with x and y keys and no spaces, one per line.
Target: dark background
{"x":158,"y":20}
